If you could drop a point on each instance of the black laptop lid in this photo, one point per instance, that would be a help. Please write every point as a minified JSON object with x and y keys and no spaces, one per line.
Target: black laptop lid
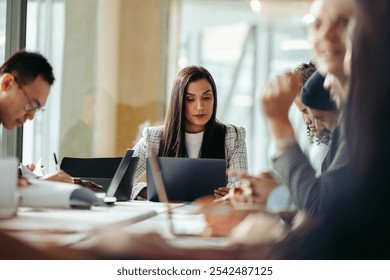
{"x":186,"y":179}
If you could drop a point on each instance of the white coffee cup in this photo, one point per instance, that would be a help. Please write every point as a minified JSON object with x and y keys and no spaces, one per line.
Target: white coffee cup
{"x":8,"y":187}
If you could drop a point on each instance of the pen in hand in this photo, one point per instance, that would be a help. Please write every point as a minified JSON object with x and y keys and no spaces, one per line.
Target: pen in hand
{"x":56,"y":161}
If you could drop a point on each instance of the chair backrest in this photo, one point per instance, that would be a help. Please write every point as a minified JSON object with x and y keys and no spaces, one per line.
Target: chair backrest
{"x":98,"y":170}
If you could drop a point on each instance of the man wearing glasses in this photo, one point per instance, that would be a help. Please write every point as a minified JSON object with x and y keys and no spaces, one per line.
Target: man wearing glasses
{"x":25,"y":81}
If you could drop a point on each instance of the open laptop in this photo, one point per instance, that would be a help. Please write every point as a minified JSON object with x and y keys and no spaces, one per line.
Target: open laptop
{"x":122,"y":182}
{"x":187,"y":179}
{"x":180,"y":226}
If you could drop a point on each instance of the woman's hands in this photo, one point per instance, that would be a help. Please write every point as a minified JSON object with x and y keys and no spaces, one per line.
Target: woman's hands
{"x":221,"y":192}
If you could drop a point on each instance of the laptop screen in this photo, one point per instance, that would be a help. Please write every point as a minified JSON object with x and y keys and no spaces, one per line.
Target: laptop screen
{"x":197,"y":223}
{"x":119,"y":176}
{"x":186,"y":179}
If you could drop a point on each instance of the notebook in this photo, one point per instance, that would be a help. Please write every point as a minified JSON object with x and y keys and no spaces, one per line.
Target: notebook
{"x":122,"y":182}
{"x":187,"y":179}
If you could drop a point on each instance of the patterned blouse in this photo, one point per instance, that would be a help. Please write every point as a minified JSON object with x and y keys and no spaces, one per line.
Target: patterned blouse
{"x":235,"y":152}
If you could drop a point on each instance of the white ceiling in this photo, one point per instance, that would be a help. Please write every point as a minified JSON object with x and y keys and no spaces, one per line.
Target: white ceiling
{"x":200,"y":13}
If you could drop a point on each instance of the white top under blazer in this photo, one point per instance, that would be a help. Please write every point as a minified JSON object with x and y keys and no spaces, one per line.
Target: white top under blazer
{"x":235,"y":152}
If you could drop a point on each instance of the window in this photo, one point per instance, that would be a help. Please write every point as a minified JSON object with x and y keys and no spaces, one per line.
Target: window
{"x":111,"y":68}
{"x":241,"y":49}
{"x":107,"y":82}
{"x":3,"y":9}
{"x":45,"y":33}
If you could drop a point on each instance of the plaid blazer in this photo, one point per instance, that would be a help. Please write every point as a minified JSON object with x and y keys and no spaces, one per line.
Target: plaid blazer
{"x":235,"y":151}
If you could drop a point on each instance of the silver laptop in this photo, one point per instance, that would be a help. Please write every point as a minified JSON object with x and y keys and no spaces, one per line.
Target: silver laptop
{"x":122,"y":182}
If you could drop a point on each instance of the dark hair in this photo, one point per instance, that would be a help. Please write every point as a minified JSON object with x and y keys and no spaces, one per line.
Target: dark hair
{"x":315,"y":96}
{"x":27,"y":66}
{"x":173,"y":139}
{"x":305,"y":70}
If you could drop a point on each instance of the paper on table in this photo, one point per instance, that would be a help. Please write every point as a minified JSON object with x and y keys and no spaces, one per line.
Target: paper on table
{"x":38,"y":168}
{"x":27,"y":173}
{"x":37,"y":172}
{"x":42,"y":193}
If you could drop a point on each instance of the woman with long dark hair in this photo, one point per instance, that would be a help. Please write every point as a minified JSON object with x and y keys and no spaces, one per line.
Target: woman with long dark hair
{"x":191,"y":128}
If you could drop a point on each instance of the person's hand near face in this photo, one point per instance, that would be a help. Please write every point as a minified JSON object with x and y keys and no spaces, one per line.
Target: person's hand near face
{"x":276,"y":101}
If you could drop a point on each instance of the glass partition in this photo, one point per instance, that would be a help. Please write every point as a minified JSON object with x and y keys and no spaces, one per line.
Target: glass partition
{"x":3,"y":9}
{"x":106,"y":56}
{"x":45,"y":34}
{"x":241,"y":49}
{"x":115,"y":66}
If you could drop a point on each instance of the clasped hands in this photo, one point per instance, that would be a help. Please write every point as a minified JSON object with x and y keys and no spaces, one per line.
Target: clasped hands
{"x":252,"y":190}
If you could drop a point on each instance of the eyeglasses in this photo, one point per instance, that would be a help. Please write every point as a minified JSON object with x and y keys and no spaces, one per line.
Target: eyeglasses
{"x":32,"y":106}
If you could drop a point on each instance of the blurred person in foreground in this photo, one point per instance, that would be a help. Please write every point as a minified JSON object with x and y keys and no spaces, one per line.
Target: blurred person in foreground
{"x":309,"y":192}
{"x":275,"y":194}
{"x":356,"y":227}
{"x":323,"y":115}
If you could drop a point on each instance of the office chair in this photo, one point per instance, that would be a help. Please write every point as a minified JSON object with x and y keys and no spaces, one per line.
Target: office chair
{"x":98,"y":170}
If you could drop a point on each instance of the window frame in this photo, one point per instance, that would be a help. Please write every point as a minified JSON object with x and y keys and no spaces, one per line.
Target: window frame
{"x":15,"y":39}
